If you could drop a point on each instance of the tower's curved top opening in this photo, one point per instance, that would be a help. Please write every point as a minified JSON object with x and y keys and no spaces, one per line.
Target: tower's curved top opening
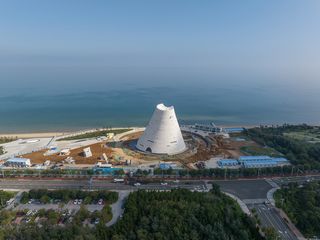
{"x":162,"y":107}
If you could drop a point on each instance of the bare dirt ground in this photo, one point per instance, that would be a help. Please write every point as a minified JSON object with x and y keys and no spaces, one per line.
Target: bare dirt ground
{"x":97,"y":151}
{"x":233,"y":147}
{"x":199,"y":149}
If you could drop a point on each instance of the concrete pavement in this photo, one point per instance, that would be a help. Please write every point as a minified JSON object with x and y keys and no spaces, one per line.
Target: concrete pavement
{"x":270,"y":218}
{"x":117,"y":207}
{"x":250,"y":192}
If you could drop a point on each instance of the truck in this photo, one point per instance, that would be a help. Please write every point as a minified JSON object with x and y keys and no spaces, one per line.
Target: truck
{"x":118,"y":180}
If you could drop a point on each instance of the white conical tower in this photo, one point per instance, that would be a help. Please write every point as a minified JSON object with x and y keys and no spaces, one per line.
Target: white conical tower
{"x":163,"y":134}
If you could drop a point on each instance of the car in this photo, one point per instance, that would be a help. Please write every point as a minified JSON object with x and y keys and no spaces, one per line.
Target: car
{"x":29,"y":213}
{"x":28,"y":220}
{"x":80,"y":201}
{"x":97,"y":221}
{"x":100,"y":202}
{"x":137,"y":184}
{"x":164,"y":184}
{"x":75,"y":202}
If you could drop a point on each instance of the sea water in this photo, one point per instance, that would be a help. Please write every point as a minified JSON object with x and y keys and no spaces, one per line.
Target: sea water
{"x":72,"y":102}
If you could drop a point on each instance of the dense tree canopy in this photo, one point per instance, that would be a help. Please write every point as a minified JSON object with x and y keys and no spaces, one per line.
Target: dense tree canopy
{"x":179,"y":214}
{"x":182,"y":214}
{"x":302,"y":205}
{"x":298,"y":151}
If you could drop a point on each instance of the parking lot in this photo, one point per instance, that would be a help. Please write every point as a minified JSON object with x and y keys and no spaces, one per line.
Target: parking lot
{"x":246,"y":189}
{"x":69,"y":206}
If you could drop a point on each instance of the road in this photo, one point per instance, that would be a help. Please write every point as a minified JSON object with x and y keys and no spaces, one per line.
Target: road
{"x":18,"y":184}
{"x":117,"y":207}
{"x":270,"y":218}
{"x":253,"y":193}
{"x":296,"y":179}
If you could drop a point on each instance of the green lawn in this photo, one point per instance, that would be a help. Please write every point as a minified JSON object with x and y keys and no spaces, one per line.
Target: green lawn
{"x":96,"y":134}
{"x":311,"y":136}
{"x":7,"y":139}
{"x":4,"y":197}
{"x":258,"y":151}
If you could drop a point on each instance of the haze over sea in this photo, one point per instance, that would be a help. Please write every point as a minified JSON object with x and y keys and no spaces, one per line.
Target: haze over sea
{"x":68,"y":65}
{"x":128,"y":100}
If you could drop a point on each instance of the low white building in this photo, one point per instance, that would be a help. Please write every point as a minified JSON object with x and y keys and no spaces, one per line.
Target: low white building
{"x":65,"y":152}
{"x":87,"y":152}
{"x":18,"y":162}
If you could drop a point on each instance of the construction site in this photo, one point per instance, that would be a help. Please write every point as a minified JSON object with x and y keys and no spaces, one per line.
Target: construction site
{"x":123,"y":152}
{"x":163,"y":140}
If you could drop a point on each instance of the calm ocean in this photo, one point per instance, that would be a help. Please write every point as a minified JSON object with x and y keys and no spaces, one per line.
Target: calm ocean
{"x":58,"y":106}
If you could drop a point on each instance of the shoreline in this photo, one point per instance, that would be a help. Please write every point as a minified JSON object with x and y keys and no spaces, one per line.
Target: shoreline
{"x":50,"y":133}
{"x":34,"y":135}
{"x":43,"y":134}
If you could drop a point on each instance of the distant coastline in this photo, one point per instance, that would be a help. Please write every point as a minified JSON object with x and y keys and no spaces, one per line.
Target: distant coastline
{"x":34,"y":134}
{"x":44,"y":134}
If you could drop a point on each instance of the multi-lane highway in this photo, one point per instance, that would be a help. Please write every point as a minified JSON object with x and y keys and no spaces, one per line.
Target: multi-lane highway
{"x":252,"y":192}
{"x":271,"y":218}
{"x":21,"y":184}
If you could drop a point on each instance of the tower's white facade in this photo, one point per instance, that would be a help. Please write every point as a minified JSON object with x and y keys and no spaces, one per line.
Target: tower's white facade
{"x":163,"y":134}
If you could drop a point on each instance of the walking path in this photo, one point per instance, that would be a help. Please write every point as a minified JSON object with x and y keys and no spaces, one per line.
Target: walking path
{"x":117,"y":207}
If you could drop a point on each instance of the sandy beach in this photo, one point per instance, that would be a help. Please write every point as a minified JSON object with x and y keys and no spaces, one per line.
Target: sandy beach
{"x":33,"y":135}
{"x":58,"y":134}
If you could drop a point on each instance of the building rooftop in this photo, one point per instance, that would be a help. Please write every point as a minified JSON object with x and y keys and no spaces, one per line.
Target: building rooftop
{"x":18,"y":160}
{"x":248,"y":158}
{"x":228,"y":160}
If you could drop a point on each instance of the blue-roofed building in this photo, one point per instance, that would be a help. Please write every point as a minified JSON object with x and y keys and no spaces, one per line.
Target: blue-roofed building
{"x":18,"y":162}
{"x":228,"y":162}
{"x":254,"y":158}
{"x":260,"y":164}
{"x":234,"y":130}
{"x":261,"y":161}
{"x":280,"y":160}
{"x":164,"y":166}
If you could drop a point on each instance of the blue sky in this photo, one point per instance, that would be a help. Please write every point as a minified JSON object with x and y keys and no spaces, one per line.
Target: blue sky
{"x":265,"y":38}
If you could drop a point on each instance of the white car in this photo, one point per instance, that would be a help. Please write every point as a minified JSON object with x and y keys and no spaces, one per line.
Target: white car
{"x":137,"y":184}
{"x":100,"y":202}
{"x":80,"y":201}
{"x":75,"y":202}
{"x":164,"y":184}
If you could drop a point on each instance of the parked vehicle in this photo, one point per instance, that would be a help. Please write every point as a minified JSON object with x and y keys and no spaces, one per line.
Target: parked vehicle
{"x":118,"y":180}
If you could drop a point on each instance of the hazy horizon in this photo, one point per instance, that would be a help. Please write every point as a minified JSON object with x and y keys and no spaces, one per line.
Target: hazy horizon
{"x":231,"y":61}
